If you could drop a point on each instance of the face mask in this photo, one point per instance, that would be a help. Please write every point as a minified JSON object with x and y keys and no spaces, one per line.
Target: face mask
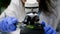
{"x":31,"y":6}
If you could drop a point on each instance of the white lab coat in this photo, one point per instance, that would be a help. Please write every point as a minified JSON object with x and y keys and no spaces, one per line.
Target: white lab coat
{"x":15,"y":9}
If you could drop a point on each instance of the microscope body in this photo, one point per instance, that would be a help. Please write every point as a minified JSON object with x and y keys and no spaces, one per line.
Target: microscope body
{"x":32,"y":25}
{"x":31,"y":21}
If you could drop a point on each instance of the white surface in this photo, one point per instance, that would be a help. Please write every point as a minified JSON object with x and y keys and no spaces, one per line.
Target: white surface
{"x":16,"y":32}
{"x":31,"y":3}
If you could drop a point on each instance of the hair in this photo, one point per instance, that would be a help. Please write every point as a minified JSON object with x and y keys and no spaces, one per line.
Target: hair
{"x":45,"y":6}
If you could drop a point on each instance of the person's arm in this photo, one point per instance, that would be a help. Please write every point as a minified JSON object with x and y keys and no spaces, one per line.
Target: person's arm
{"x":8,"y":13}
{"x":2,"y":15}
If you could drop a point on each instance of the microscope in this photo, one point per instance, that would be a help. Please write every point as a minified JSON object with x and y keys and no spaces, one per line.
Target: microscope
{"x":31,"y":21}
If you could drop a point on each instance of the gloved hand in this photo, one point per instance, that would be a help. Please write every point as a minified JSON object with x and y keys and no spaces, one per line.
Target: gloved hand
{"x":48,"y":29}
{"x":8,"y":24}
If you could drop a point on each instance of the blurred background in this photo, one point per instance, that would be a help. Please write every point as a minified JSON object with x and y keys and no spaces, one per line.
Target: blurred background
{"x":4,"y":4}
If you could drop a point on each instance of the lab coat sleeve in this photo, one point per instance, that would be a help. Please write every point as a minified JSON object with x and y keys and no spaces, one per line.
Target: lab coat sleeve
{"x":2,"y":15}
{"x":11,"y":11}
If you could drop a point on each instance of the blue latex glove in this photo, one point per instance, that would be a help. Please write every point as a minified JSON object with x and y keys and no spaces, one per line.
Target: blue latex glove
{"x":48,"y":29}
{"x":8,"y":24}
